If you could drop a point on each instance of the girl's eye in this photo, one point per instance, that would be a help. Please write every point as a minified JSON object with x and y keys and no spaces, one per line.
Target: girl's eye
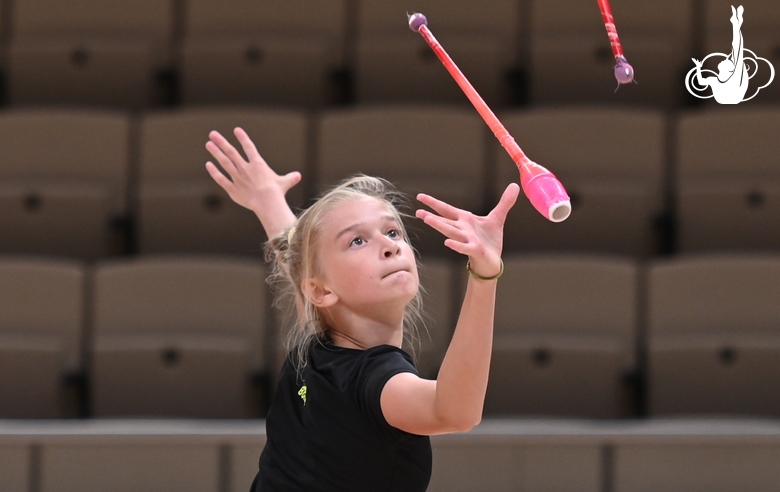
{"x":394,"y":233}
{"x":358,"y":241}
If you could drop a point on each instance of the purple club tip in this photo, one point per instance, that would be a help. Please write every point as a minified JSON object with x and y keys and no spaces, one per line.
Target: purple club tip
{"x":624,"y":72}
{"x":416,"y":21}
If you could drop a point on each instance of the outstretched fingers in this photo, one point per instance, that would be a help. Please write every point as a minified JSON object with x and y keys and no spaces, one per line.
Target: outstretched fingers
{"x":445,"y":226}
{"x":220,"y":178}
{"x":444,"y":209}
{"x":216,"y":151}
{"x":247,"y":144}
{"x":227,"y":149}
{"x":505,"y":204}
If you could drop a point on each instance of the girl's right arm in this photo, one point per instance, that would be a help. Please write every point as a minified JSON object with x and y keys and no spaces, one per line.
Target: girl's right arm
{"x":252,"y":184}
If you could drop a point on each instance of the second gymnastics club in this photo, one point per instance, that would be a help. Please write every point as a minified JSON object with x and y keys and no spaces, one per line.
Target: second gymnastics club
{"x":624,"y":72}
{"x":542,"y":188}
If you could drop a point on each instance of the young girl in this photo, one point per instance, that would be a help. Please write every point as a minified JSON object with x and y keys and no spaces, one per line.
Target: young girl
{"x":350,"y":412}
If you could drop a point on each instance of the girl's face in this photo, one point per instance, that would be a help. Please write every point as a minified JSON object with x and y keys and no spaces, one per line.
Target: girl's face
{"x":364,"y":260}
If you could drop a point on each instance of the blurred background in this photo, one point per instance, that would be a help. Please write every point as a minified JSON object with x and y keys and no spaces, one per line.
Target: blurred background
{"x":637,"y":344}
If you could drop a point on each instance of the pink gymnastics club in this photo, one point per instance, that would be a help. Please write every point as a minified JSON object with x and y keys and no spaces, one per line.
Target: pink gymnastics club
{"x":541,"y":187}
{"x":624,"y":72}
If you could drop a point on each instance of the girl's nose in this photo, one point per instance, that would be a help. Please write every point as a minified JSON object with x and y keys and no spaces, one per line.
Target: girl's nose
{"x":390,"y":248}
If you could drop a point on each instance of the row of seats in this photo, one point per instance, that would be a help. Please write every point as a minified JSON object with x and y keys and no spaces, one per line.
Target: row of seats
{"x":92,"y":184}
{"x":497,"y":456}
{"x":131,"y":53}
{"x":577,"y":336}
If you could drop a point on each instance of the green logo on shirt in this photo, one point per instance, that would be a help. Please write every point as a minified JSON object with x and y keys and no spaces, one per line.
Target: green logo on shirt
{"x":302,"y":393}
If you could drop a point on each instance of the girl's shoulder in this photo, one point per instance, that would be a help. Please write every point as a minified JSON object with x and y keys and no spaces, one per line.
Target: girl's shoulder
{"x":324,"y":349}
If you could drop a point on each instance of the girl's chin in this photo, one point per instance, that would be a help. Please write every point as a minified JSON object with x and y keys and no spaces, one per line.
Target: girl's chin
{"x":401,"y":276}
{"x":403,"y":294}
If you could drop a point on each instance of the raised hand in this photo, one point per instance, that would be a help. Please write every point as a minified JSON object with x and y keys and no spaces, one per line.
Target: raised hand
{"x":479,"y":238}
{"x":251,"y":181}
{"x":252,"y":184}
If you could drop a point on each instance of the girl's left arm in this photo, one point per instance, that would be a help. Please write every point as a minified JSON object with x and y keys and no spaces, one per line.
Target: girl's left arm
{"x":455,"y":400}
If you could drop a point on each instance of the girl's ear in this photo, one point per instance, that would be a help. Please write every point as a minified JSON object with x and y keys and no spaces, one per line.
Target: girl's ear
{"x":318,"y":293}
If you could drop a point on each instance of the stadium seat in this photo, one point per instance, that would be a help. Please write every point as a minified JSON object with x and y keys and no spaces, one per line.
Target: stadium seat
{"x":728,"y":181}
{"x":269,"y":52}
{"x":440,"y":283}
{"x":503,"y":463}
{"x":720,"y":464}
{"x":99,"y":52}
{"x":436,"y":150}
{"x":178,"y":337}
{"x":565,"y":330}
{"x":714,"y":343}
{"x":572,"y":62}
{"x":41,"y":322}
{"x":181,"y":208}
{"x":395,"y":65}
{"x":14,"y":467}
{"x":612,"y":164}
{"x":78,"y":464}
{"x":63,"y":182}
{"x":244,"y":465}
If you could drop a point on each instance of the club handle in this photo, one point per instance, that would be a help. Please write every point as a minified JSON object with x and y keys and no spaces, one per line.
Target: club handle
{"x":542,"y":188}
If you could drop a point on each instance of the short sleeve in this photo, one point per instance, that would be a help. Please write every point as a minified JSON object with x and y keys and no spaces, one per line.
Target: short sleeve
{"x":379,"y":365}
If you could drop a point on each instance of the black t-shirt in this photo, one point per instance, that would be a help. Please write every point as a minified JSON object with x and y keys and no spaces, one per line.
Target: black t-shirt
{"x":326,"y":431}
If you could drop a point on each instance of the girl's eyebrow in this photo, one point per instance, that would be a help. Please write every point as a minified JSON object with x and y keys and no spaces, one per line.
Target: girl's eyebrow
{"x":354,"y":227}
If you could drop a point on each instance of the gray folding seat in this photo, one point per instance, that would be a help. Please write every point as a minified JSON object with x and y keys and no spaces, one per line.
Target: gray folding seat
{"x":101,"y":52}
{"x":572,"y":61}
{"x":440,"y":283}
{"x":565,"y":331}
{"x":270,"y":52}
{"x":728,"y":181}
{"x":612,"y":164}
{"x":15,"y":467}
{"x":244,"y":464}
{"x":731,"y":456}
{"x":125,"y":465}
{"x":714,"y":343}
{"x":394,"y":64}
{"x":41,"y":323}
{"x":511,"y":463}
{"x":178,"y":337}
{"x":436,"y":150}
{"x":63,"y":182}
{"x":181,"y":208}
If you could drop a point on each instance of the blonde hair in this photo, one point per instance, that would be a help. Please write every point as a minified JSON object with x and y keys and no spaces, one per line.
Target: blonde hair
{"x":292,"y":256}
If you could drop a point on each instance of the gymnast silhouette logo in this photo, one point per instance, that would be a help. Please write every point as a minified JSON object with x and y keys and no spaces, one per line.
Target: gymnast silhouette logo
{"x":730,"y":84}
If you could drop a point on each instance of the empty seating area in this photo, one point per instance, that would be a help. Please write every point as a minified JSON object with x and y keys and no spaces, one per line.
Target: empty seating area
{"x":501,"y":456}
{"x":91,"y":184}
{"x":577,"y":336}
{"x":636,"y":344}
{"x":109,"y":213}
{"x":142,"y":53}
